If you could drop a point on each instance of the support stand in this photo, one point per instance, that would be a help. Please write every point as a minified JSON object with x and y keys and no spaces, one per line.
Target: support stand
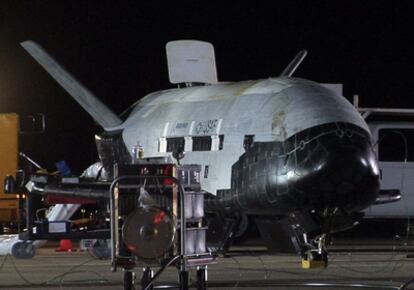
{"x":183,"y":280}
{"x":201,"y":278}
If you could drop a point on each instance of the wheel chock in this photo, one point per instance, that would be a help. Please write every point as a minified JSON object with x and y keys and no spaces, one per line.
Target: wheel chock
{"x":312,"y":264}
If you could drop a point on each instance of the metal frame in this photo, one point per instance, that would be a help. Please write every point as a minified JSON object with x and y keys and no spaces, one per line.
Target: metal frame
{"x":366,"y":112}
{"x":30,"y":235}
{"x":113,"y":203}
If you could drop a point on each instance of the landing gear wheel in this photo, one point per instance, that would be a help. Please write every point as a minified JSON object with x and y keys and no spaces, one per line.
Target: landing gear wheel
{"x":146,"y":278}
{"x":129,"y":280}
{"x":201,"y":279}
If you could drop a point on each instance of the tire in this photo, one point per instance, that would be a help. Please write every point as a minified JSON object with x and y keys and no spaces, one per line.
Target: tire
{"x":129,"y":279}
{"x":201,"y":279}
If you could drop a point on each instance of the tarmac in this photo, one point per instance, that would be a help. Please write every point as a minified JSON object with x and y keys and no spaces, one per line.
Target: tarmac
{"x":352,"y":264}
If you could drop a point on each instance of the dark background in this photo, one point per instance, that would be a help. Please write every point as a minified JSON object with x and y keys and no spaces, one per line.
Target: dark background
{"x":117,"y":50}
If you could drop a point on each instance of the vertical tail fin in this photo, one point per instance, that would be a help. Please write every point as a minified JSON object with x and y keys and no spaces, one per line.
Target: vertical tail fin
{"x":294,"y":64}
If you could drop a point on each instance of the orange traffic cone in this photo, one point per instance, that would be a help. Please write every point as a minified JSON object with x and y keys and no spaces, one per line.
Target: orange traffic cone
{"x":65,"y":246}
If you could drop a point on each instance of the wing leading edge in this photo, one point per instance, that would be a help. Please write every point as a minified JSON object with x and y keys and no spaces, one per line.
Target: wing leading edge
{"x":99,"y":111}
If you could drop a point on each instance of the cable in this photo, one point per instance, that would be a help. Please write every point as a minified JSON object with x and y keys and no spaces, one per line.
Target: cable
{"x":20,"y":274}
{"x":70,"y":270}
{"x":40,"y":210}
{"x":60,"y":276}
{"x":3,"y":262}
{"x":382,"y":269}
{"x":406,"y":284}
{"x":102,"y":281}
{"x":264,"y":267}
{"x":240,"y":272}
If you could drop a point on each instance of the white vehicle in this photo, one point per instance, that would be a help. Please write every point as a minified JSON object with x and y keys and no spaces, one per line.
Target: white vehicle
{"x":393,"y":143}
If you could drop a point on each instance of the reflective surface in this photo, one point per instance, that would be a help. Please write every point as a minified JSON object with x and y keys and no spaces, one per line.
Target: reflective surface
{"x":329,"y":166}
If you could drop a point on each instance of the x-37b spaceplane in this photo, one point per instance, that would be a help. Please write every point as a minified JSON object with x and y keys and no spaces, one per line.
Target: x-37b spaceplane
{"x":286,"y":154}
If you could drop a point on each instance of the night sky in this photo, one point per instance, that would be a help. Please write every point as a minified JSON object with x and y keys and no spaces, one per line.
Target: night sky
{"x":117,"y":50}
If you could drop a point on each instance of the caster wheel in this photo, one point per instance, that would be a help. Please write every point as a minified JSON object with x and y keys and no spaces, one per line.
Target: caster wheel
{"x":201,"y":279}
{"x":129,"y":280}
{"x":146,"y":278}
{"x":183,"y":280}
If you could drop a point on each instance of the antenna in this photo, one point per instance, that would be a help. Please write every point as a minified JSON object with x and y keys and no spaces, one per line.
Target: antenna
{"x":294,"y":64}
{"x":191,"y":61}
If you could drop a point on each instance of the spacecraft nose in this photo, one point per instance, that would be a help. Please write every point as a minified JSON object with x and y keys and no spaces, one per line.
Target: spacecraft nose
{"x":326,"y":167}
{"x":350,"y":179}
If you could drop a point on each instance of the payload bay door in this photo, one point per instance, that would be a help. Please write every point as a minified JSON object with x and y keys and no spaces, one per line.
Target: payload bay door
{"x":395,"y":148}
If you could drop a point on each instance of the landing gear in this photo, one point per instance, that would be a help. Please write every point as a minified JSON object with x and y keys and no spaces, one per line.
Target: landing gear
{"x":315,"y":257}
{"x":223,"y":230}
{"x":129,"y":280}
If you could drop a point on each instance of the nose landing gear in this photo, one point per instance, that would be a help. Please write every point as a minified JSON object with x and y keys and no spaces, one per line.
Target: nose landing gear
{"x":315,"y":256}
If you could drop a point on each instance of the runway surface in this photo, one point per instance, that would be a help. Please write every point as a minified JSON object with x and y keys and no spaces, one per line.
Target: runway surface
{"x":386,"y":266}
